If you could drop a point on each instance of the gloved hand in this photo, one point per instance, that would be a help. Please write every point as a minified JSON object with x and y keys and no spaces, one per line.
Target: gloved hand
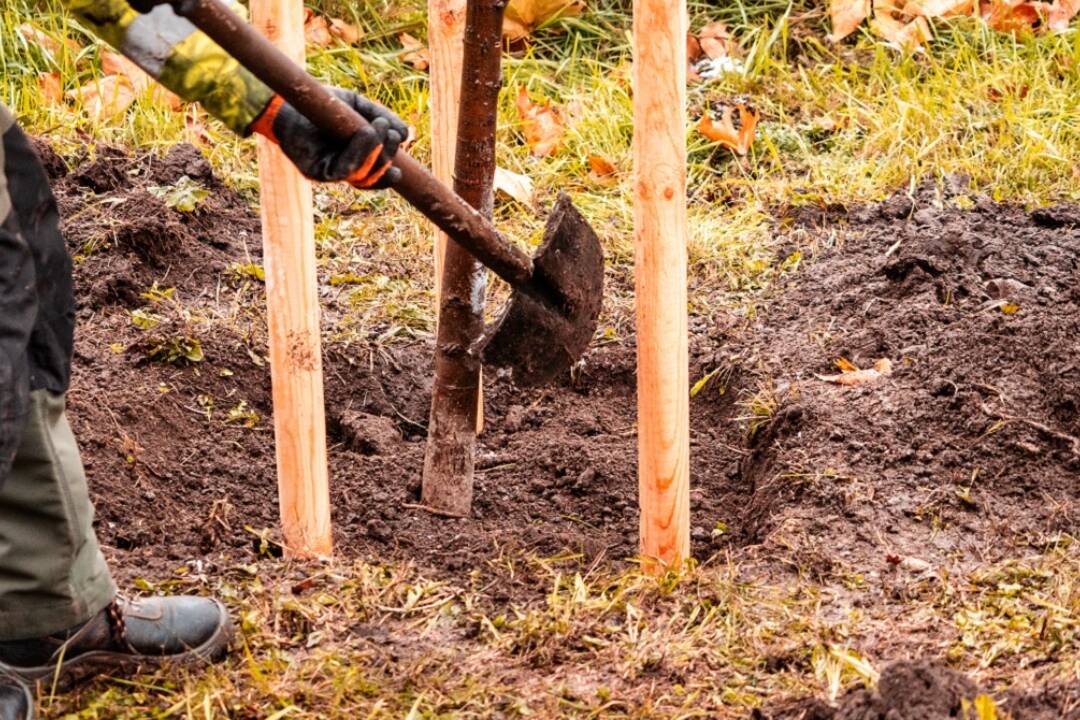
{"x":366,"y":161}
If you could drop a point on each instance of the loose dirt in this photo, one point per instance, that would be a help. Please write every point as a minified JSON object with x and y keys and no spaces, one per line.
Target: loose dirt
{"x":967,"y":453}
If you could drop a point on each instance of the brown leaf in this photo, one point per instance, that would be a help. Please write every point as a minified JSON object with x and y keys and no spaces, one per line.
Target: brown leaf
{"x":724,"y":132}
{"x":52,"y":89}
{"x":416,"y":53}
{"x":116,"y":64}
{"x":195,"y":131}
{"x":104,"y":98}
{"x":882,"y":368}
{"x":846,"y":16}
{"x":542,"y":124}
{"x":346,"y":33}
{"x":317,"y":29}
{"x":716,"y":41}
{"x":522,"y":17}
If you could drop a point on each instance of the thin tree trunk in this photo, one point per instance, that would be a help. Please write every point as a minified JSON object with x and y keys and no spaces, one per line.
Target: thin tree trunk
{"x":449,"y":457}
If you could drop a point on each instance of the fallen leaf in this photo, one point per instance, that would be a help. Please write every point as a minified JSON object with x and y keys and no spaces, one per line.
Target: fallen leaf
{"x":905,"y":35}
{"x":104,"y":98}
{"x":317,"y":29}
{"x":724,"y":132}
{"x":1061,"y":12}
{"x":195,"y":130}
{"x":542,"y":124}
{"x":939,"y":8}
{"x":115,"y":64}
{"x":1012,"y":16}
{"x":601,"y":170}
{"x":346,"y":33}
{"x":693,"y":48}
{"x":882,"y":368}
{"x":416,"y":53}
{"x":36,"y":36}
{"x":515,"y":185}
{"x":716,"y":41}
{"x":522,"y":17}
{"x":846,"y":16}
{"x":52,"y":89}
{"x":845,"y":365}
{"x":914,"y":564}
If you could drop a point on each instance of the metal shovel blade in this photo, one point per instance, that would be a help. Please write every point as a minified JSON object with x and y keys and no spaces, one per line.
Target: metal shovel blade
{"x":535,"y":343}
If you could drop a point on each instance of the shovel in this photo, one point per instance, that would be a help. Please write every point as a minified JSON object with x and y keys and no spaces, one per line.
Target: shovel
{"x":553,"y":313}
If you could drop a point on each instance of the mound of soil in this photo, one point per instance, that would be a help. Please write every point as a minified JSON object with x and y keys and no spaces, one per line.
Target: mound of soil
{"x":910,"y":690}
{"x":966,"y":452}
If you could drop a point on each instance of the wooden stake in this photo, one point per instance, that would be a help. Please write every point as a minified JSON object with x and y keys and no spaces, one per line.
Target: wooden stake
{"x":449,"y":456}
{"x":660,"y":231}
{"x":446,"y":35}
{"x":292,"y":302}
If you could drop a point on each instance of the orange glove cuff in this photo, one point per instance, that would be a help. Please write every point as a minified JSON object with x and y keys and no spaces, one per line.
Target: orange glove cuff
{"x":264,"y":124}
{"x":363,"y":177}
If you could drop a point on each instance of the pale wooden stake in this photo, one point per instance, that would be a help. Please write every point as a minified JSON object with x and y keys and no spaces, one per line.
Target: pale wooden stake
{"x":446,"y":34}
{"x":660,"y":232}
{"x":292,"y":302}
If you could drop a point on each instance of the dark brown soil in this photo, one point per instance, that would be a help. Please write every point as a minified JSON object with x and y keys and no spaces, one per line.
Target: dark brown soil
{"x":966,"y":454}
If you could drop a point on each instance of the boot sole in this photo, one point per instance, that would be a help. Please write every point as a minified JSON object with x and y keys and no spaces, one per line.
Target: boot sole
{"x":103,"y":663}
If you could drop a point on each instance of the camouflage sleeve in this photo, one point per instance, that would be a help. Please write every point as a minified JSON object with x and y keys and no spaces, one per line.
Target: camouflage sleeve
{"x":180,"y":57}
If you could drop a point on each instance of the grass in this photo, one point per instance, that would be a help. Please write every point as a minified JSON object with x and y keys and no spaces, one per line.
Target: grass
{"x":840,"y":126}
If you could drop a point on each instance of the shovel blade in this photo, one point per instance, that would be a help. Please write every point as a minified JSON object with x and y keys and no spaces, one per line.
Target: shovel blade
{"x":536,"y":343}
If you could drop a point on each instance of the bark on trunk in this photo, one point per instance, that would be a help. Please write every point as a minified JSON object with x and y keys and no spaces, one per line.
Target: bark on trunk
{"x":449,"y":457}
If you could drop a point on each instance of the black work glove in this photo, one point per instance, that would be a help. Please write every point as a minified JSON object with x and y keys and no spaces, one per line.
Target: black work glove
{"x":365,"y":161}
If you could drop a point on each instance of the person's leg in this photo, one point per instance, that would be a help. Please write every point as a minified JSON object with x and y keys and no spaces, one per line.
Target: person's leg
{"x":60,"y":617}
{"x":52,"y":573}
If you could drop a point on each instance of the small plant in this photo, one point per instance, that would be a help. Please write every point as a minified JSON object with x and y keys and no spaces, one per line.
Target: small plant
{"x":184,"y":196}
{"x":169,"y":327}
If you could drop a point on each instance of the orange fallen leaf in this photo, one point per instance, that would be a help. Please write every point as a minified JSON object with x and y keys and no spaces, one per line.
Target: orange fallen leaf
{"x":115,"y":64}
{"x":52,"y":89}
{"x":850,"y":374}
{"x":35,"y":36}
{"x":195,"y":130}
{"x":317,"y":29}
{"x":891,"y":24}
{"x":522,"y":17}
{"x":846,"y":16}
{"x":416,"y":53}
{"x":542,"y":125}
{"x":716,"y":41}
{"x":724,"y":132}
{"x":104,"y":98}
{"x":346,"y":33}
{"x":601,"y":170}
{"x":693,"y":47}
{"x":1012,"y":16}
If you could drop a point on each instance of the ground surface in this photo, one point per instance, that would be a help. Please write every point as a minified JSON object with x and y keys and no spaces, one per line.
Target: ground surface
{"x":930,"y":515}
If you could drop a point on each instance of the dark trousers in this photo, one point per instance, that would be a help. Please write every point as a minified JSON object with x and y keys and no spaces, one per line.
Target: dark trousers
{"x":52,"y":572}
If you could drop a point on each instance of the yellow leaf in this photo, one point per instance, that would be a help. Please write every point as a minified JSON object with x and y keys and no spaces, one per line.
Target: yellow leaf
{"x":845,"y":365}
{"x":542,"y":124}
{"x":1009,"y":308}
{"x":700,"y":384}
{"x":846,"y":16}
{"x":522,"y":17}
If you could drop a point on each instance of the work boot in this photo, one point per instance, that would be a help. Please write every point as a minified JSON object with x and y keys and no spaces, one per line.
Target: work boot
{"x":16,"y":701}
{"x":127,"y":637}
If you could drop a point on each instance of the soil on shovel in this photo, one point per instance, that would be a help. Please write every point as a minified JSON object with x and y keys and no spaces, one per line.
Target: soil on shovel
{"x":966,"y":453}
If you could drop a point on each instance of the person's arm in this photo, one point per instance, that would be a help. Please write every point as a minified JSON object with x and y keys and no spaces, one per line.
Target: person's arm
{"x":193,"y":66}
{"x":180,"y":57}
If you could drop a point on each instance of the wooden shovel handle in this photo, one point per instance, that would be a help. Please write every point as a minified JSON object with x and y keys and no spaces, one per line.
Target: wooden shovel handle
{"x":438,"y":203}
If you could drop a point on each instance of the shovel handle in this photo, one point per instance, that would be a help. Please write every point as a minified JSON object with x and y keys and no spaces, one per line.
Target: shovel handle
{"x":437,"y":202}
